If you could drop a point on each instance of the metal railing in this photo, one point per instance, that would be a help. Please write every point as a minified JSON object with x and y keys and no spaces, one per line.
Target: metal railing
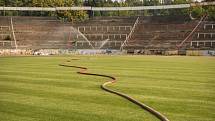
{"x":191,"y":33}
{"x":130,"y":34}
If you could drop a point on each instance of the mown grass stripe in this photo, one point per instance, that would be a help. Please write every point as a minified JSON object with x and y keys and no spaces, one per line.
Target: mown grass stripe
{"x":162,"y":82}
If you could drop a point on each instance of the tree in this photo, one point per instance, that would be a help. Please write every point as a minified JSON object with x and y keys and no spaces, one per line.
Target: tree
{"x":64,"y":15}
{"x":180,"y":1}
{"x":197,"y":12}
{"x":134,"y":2}
{"x":210,"y":10}
{"x":2,"y":2}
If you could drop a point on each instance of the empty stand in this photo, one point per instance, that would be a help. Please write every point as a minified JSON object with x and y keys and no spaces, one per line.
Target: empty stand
{"x":204,"y":38}
{"x":105,"y":32}
{"x":159,"y":34}
{"x":152,"y":33}
{"x":6,"y":39}
{"x":38,"y":32}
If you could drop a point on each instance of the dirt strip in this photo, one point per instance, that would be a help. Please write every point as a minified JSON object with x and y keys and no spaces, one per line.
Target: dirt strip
{"x":113,"y":80}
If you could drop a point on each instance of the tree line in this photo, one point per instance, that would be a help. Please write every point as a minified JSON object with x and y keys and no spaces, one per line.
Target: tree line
{"x":83,"y":15}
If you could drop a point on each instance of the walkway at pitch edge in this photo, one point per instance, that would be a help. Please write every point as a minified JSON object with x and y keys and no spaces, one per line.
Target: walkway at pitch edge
{"x":83,"y":71}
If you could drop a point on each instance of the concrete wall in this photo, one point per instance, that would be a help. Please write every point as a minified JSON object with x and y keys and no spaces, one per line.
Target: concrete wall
{"x":200,"y":52}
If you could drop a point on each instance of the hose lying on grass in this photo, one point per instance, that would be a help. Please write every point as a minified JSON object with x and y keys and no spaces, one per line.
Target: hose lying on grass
{"x":113,"y":79}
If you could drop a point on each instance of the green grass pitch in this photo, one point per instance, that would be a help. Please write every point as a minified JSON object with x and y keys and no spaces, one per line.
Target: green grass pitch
{"x":37,"y":89}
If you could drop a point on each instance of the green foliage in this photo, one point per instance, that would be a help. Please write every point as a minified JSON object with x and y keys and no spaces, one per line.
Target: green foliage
{"x":210,"y":10}
{"x":82,"y":15}
{"x":65,"y":15}
{"x":2,"y":2}
{"x":134,"y":2}
{"x":180,"y":2}
{"x":197,"y":12}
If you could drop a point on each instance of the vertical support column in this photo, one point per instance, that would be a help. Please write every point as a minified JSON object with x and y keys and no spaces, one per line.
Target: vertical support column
{"x":198,"y":36}
{"x":211,"y":44}
{"x":76,"y":44}
{"x":14,"y":37}
{"x":197,"y":43}
{"x":191,"y":43}
{"x":212,"y":26}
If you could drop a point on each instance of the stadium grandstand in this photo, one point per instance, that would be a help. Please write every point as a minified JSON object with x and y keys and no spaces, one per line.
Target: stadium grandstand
{"x":151,"y":29}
